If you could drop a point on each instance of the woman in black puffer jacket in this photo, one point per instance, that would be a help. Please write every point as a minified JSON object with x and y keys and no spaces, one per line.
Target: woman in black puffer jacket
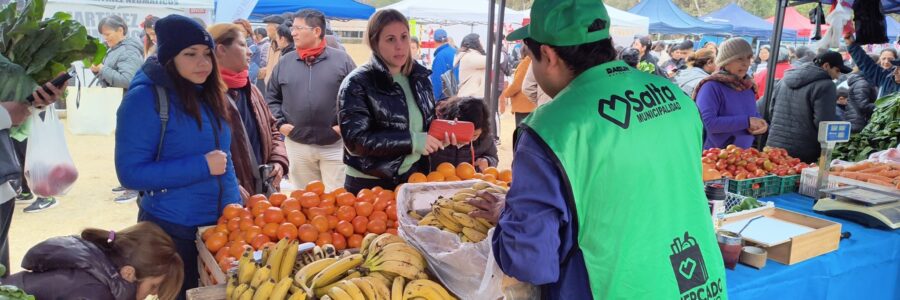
{"x":385,"y":108}
{"x":860,"y":103}
{"x":473,"y":110}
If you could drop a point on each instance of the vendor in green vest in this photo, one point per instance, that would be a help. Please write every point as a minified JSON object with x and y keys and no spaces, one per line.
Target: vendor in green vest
{"x":607,"y":200}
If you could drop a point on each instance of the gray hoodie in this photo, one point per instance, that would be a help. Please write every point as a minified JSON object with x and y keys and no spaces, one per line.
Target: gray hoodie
{"x":688,"y":79}
{"x":121,"y":63}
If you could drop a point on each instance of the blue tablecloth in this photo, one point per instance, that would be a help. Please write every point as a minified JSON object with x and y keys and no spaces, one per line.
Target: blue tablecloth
{"x":865,"y":266}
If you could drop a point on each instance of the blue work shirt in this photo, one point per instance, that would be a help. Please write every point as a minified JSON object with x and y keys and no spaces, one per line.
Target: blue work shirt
{"x":534,"y":234}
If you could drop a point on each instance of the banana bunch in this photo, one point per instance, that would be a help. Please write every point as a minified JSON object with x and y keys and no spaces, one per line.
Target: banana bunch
{"x":270,"y":279}
{"x":452,"y":214}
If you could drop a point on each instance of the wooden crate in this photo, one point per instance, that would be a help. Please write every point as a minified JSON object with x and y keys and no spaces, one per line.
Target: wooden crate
{"x":823,"y":239}
{"x":210,"y":273}
{"x":215,"y":292}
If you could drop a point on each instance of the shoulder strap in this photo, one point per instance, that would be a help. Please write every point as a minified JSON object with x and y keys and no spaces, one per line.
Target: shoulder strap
{"x":162,"y":106}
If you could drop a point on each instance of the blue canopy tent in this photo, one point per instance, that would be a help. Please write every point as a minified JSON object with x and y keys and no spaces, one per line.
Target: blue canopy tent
{"x":745,"y":23}
{"x":667,"y":18}
{"x":336,"y":9}
{"x":893,"y":28}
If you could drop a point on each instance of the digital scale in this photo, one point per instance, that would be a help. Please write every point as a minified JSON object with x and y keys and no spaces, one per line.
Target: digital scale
{"x":871,"y":207}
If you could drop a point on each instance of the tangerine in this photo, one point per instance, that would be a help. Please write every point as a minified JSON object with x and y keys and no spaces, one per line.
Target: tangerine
{"x":359,"y":224}
{"x":273,"y":215}
{"x":245,"y":213}
{"x":320,"y":222}
{"x":489,"y":178}
{"x":465,"y":171}
{"x":232,"y":211}
{"x":259,"y":221}
{"x":260,"y":207}
{"x":316,"y":186}
{"x":226,"y":263}
{"x":364,"y":208}
{"x":245,"y":223}
{"x":328,"y":198}
{"x":332,"y":221}
{"x":345,"y":228}
{"x":271,"y":230}
{"x":380,"y":204}
{"x":296,"y":217}
{"x":309,"y":199}
{"x":339,"y":241}
{"x":354,"y":241}
{"x":251,"y":202}
{"x":452,"y":178}
{"x":378,"y":215}
{"x":252,"y":232}
{"x":288,"y":231}
{"x":316,"y":211}
{"x":417,"y":178}
{"x":478,"y":176}
{"x":207,"y":233}
{"x":391,"y":231}
{"x":345,"y":199}
{"x":329,"y":208}
{"x":365,"y":195}
{"x":324,"y":238}
{"x":505,"y":176}
{"x":346,"y":213}
{"x":391,"y":211}
{"x":277,"y":198}
{"x":234,"y":224}
{"x":290,"y":204}
{"x":339,"y":191}
{"x":223,"y":228}
{"x":216,"y":241}
{"x":238,"y":249}
{"x":376,"y":226}
{"x":308,"y":233}
{"x":447,"y":169}
{"x":435,"y":177}
{"x":258,"y":241}
{"x":222,"y":253}
{"x":296,"y":193}
{"x":387,"y":195}
{"x":491,"y":171}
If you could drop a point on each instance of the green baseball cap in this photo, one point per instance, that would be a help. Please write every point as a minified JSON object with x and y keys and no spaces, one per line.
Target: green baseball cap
{"x":564,"y":22}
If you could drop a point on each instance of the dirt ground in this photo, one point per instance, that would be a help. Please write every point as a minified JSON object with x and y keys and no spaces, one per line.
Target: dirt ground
{"x":90,"y":202}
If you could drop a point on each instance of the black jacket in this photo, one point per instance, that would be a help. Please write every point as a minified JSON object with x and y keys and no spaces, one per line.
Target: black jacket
{"x":69,"y":267}
{"x":805,"y":97}
{"x":374,"y":118}
{"x":861,"y":102}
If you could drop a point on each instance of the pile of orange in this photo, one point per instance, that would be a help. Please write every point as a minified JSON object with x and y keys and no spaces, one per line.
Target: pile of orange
{"x":309,"y":215}
{"x":446,"y":172}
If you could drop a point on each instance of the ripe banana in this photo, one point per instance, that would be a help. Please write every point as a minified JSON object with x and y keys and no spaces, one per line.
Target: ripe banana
{"x":266,"y":252}
{"x":337,"y":293}
{"x":464,"y":219}
{"x":485,"y":222}
{"x":426,"y":289}
{"x":335,"y":271}
{"x":463,"y":207}
{"x":367,"y":240}
{"x":247,"y":294}
{"x":365,"y":286}
{"x":265,"y":290}
{"x":464,"y":239}
{"x":447,"y":221}
{"x":309,"y":271}
{"x":281,"y":289}
{"x":318,"y":253}
{"x":396,"y":267}
{"x":480,"y":186}
{"x":320,"y":291}
{"x":429,"y":220}
{"x":413,"y":214}
{"x":382,"y":290}
{"x":277,"y":256}
{"x":473,"y":234}
{"x":262,"y":274}
{"x":402,"y":253}
{"x":297,"y":296}
{"x":246,"y":267}
{"x":230,"y":286}
{"x":383,"y":278}
{"x":239,"y":290}
{"x":397,"y":288}
{"x":289,"y":260}
{"x":352,"y":290}
{"x":381,"y":241}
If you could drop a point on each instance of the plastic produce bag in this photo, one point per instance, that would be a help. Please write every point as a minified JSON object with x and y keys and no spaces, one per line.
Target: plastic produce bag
{"x":466,"y":269}
{"x":49,"y":168}
{"x":837,"y":19}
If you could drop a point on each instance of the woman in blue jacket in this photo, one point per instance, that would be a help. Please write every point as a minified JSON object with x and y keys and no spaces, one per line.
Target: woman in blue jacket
{"x":187,"y":179}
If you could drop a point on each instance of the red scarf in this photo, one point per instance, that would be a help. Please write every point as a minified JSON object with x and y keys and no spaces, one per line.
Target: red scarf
{"x":737,"y":83}
{"x":309,"y":55}
{"x":235,"y":80}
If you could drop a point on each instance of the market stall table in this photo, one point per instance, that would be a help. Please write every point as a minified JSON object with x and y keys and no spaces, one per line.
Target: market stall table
{"x":866,"y":266}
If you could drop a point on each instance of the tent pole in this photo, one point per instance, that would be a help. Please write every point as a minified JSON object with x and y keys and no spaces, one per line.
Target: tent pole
{"x":497,"y":75}
{"x":490,"y":51}
{"x":773,"y":61}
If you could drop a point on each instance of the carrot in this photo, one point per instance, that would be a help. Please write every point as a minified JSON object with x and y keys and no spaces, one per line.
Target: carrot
{"x":865,"y":176}
{"x":891,"y":174}
{"x":880,"y":182}
{"x":877,"y":169}
{"x":858,"y":167}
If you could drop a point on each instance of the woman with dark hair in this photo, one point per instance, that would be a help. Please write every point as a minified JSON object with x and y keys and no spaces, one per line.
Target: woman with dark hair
{"x":385,"y":108}
{"x":149,"y":35}
{"x":471,"y":61}
{"x":173,"y":139}
{"x":762,"y":59}
{"x":134,"y":263}
{"x":284,"y":42}
{"x":251,"y":44}
{"x":700,"y":65}
{"x":482,"y":151}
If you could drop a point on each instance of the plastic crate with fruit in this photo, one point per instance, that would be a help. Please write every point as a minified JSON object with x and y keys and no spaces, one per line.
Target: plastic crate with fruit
{"x":789,"y":184}
{"x":755,"y":187}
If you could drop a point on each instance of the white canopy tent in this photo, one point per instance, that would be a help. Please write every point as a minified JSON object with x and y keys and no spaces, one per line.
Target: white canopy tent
{"x":90,"y":12}
{"x":625,"y":25}
{"x":469,"y":12}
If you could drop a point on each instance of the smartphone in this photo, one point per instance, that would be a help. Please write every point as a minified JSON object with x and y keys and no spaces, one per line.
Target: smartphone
{"x":57,"y":82}
{"x":465,"y":131}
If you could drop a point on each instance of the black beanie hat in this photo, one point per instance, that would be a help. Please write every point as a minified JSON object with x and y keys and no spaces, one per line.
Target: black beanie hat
{"x":175,"y":33}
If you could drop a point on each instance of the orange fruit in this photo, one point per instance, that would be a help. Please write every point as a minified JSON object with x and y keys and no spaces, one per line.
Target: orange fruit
{"x":232,"y":211}
{"x":320,"y":222}
{"x":222,"y":220}
{"x":417,"y":178}
{"x":216,"y":241}
{"x":308,"y":233}
{"x":387,"y":195}
{"x":245,"y":213}
{"x":273,"y":215}
{"x":324,"y":238}
{"x":290,"y":204}
{"x":354,"y":241}
{"x":316,"y":211}
{"x":391,"y":211}
{"x":287,"y":230}
{"x":328,"y":198}
{"x":277,"y":198}
{"x":365,"y":195}
{"x":505,"y":176}
{"x":339,"y":241}
{"x":346,"y":213}
{"x":245,"y":223}
{"x":391,"y":231}
{"x":309,"y":199}
{"x":452,"y":178}
{"x":359,"y":224}
{"x":376,"y":226}
{"x":207,"y":233}
{"x":435,"y":177}
{"x":344,"y":227}
{"x":380,"y":204}
{"x":260,"y":207}
{"x":296,"y":193}
{"x":465,"y":171}
{"x":251,"y":233}
{"x":339,"y":191}
{"x":251,"y":203}
{"x":271,"y":230}
{"x":259,"y":221}
{"x":491,"y":171}
{"x":258,"y":241}
{"x":329,"y":208}
{"x":377,"y":189}
{"x":222,"y":253}
{"x":489,"y":178}
{"x":226,"y":263}
{"x":378,"y":215}
{"x":296,"y":217}
{"x":345,"y":199}
{"x":364,"y":208}
{"x":235,"y":236}
{"x":316,"y":187}
{"x":478,"y":176}
{"x":447,"y":169}
{"x":223,"y":228}
{"x":332,"y":221}
{"x":239,"y":249}
{"x":234,"y":224}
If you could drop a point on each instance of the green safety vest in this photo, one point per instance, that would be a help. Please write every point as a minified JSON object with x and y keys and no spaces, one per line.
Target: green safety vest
{"x":627,"y":144}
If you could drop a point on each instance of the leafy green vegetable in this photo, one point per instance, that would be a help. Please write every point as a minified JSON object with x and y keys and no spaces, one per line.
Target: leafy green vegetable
{"x":33,"y":51}
{"x":13,"y":293}
{"x":882,"y":132}
{"x":746,"y":204}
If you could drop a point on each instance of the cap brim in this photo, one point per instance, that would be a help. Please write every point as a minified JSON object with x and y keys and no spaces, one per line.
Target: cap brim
{"x":845,"y":69}
{"x":519,"y":34}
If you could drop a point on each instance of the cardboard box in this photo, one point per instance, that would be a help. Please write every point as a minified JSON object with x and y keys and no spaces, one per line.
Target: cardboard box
{"x":823,"y":239}
{"x":210,"y":273}
{"x":216,"y":292}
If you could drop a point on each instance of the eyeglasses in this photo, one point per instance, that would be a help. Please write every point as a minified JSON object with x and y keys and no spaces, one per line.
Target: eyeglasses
{"x":301,"y":28}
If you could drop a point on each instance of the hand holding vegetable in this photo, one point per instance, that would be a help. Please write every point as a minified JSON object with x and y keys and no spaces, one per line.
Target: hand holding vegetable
{"x":19,"y":111}
{"x":96,"y":68}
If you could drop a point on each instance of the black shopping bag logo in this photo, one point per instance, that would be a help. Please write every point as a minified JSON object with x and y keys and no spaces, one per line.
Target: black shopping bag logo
{"x":687,"y":263}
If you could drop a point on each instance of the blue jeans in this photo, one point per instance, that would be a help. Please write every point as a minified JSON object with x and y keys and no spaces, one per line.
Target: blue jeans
{"x":185,"y":243}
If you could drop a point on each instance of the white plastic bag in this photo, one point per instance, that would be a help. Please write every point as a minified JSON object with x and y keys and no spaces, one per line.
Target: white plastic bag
{"x":836,"y":19}
{"x":49,"y":168}
{"x":466,"y":269}
{"x":891,"y":155}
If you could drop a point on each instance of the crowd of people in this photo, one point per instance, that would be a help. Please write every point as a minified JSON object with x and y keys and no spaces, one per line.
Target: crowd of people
{"x":212,"y":115}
